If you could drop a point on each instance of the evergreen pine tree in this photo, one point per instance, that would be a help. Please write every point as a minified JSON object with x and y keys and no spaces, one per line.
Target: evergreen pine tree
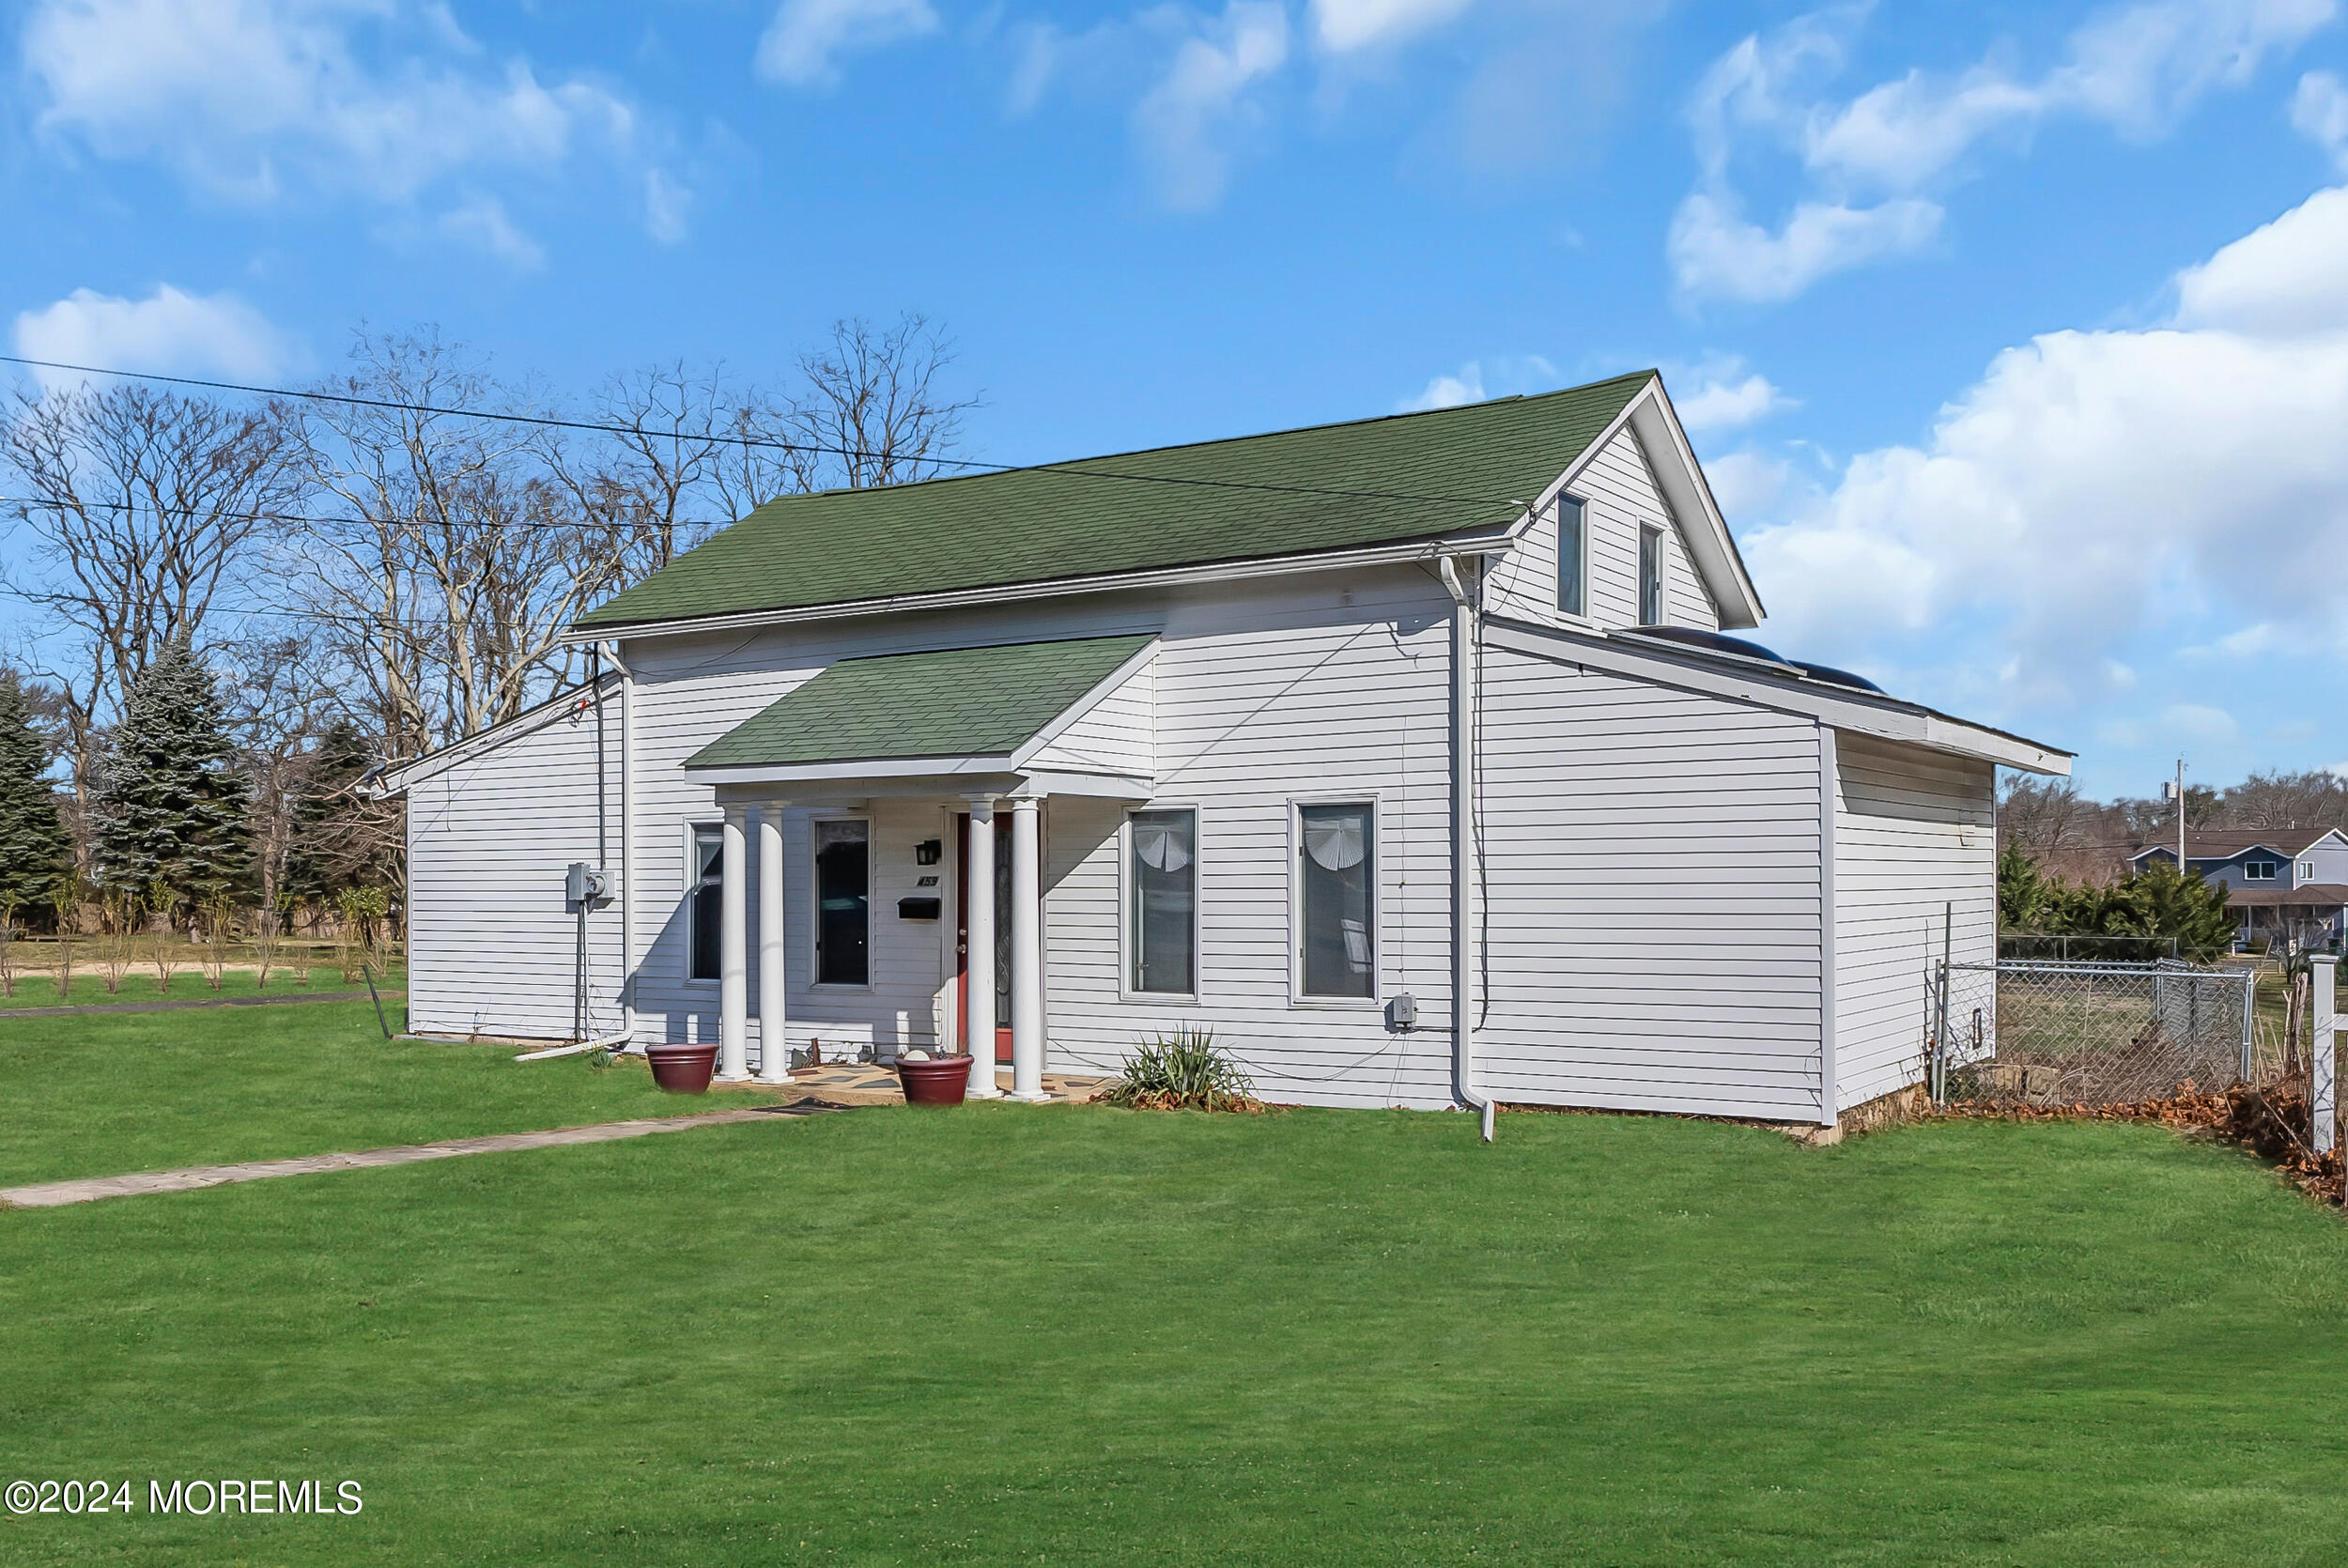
{"x":320,"y":860}
{"x":169,"y":808}
{"x":34,"y":848}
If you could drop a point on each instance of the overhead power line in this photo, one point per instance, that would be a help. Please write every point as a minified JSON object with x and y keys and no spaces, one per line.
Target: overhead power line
{"x":552,"y":421}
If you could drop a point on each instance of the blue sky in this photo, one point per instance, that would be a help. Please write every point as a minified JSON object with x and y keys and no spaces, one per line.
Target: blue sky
{"x":2015,"y":336}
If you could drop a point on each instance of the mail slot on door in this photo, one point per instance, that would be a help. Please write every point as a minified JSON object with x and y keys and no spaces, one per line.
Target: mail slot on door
{"x":917,"y":909}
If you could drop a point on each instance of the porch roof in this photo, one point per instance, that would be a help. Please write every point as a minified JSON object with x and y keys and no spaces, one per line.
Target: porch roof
{"x":953,"y":702}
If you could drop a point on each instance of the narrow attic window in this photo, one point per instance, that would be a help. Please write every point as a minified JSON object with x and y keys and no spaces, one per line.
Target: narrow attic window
{"x":1650,"y":577}
{"x":1573,"y":535}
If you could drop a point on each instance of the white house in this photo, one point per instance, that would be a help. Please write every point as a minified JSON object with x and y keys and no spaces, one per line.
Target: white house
{"x":1303,"y":738}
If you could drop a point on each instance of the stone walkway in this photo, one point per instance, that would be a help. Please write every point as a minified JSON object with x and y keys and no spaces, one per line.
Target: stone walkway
{"x":53,"y":1193}
{"x":176,"y":1004}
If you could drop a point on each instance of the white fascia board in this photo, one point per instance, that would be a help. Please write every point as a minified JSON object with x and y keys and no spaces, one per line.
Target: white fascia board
{"x":416,"y":770}
{"x":1083,"y":705}
{"x":1654,"y":426}
{"x":852,"y":771}
{"x":977,"y":776}
{"x":1886,"y":718}
{"x":1465,"y":542}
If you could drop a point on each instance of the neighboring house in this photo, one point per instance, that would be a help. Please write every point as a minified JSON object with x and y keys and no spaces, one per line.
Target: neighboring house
{"x":2285,"y":881}
{"x":1296,"y":738}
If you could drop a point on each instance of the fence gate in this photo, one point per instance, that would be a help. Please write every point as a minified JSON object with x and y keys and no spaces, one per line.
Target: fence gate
{"x":2030,"y":1033}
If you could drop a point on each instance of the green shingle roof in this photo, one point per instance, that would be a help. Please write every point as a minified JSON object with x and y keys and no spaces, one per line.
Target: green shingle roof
{"x":1408,"y":476}
{"x":960,"y":702}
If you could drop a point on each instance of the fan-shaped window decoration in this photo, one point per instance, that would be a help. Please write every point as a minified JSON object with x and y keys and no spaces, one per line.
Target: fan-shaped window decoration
{"x":1336,"y":901}
{"x":1164,"y":933}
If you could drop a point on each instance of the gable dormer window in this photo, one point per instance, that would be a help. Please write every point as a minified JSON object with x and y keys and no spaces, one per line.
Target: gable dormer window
{"x":1650,"y":577}
{"x":1573,"y":550}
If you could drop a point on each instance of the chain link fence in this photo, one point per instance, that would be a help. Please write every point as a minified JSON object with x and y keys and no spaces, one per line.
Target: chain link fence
{"x":2034,"y":1033}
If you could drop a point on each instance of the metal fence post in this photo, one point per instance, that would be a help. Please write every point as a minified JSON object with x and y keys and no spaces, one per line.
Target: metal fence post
{"x":2324,"y":1094}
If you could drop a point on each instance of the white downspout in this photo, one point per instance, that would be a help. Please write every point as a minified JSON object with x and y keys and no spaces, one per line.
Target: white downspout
{"x":1464,"y":868}
{"x":628,"y":842}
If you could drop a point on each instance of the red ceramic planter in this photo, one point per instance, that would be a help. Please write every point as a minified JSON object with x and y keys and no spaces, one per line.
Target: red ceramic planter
{"x":682,"y":1069}
{"x":939,"y":1081}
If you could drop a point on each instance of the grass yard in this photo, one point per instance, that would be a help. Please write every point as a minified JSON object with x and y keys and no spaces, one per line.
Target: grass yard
{"x":999,"y":1335}
{"x":39,"y":988}
{"x":102,"y":1094}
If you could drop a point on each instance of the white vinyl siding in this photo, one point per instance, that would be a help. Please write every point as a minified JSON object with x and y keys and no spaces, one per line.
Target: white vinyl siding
{"x":1652,"y":902}
{"x":1914,"y":834}
{"x":492,"y":941}
{"x":1620,"y":494}
{"x":1111,"y":736}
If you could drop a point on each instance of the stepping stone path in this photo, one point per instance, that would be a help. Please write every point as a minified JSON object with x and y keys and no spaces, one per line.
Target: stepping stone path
{"x":54,"y":1193}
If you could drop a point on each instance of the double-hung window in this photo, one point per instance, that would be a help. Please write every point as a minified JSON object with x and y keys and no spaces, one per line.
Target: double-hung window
{"x":1650,"y":577}
{"x":1162,"y":873}
{"x":843,"y":902}
{"x":705,"y":902}
{"x":1573,"y":545}
{"x":1336,"y":901}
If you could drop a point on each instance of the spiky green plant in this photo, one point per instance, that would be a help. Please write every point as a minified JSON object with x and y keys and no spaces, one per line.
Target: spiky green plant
{"x":1184,"y":1073}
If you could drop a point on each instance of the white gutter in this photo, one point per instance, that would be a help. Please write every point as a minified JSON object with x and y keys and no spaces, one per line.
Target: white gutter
{"x":1464,"y":868}
{"x":628,"y":839}
{"x":963,"y":598}
{"x":604,"y":1044}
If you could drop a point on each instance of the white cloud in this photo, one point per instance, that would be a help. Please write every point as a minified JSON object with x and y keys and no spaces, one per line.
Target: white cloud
{"x":1343,"y":26}
{"x":2319,"y":112}
{"x":482,"y":223}
{"x":2284,"y":279}
{"x":1723,"y":394}
{"x":1447,"y":391}
{"x":665,"y":205}
{"x":1503,"y":375}
{"x":1872,"y":160}
{"x":2095,"y":488}
{"x":169,"y":332}
{"x":1747,"y":482}
{"x":248,"y":99}
{"x":1190,"y":124}
{"x":1715,"y":252}
{"x":2200,"y":721}
{"x":801,"y":45}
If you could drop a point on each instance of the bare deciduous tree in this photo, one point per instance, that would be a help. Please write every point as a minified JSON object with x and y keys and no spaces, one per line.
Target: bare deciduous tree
{"x":452,"y":561}
{"x":142,"y":504}
{"x":873,"y":411}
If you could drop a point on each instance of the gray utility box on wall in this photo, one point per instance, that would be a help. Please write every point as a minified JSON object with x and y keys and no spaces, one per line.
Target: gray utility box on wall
{"x":583,"y":884}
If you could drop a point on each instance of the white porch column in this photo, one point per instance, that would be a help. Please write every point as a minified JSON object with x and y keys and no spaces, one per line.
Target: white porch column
{"x":733,"y":1000}
{"x":774,"y":1055}
{"x":1027,"y":955}
{"x":978,"y":1023}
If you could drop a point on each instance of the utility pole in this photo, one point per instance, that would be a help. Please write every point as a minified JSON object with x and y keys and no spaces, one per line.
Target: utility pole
{"x":2176,"y":792}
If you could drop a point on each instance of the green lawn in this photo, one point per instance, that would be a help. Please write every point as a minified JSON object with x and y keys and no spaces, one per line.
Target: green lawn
{"x":39,"y":988}
{"x":100,"y":1095}
{"x":1001,"y":1334}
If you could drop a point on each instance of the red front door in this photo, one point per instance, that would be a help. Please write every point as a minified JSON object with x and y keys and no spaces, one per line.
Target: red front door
{"x":1002,"y":934}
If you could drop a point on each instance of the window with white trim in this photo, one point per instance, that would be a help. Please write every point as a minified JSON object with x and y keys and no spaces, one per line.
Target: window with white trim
{"x":2258,"y":870}
{"x":1337,"y":899}
{"x":844,"y":902}
{"x":1162,"y":913}
{"x":1650,"y":577}
{"x":1573,"y":546}
{"x":2307,"y":870}
{"x":705,"y":902}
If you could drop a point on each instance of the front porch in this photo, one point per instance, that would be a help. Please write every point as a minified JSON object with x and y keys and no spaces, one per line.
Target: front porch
{"x":867,"y":754}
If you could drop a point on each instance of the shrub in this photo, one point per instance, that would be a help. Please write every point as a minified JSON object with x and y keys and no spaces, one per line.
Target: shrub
{"x":1184,"y":1073}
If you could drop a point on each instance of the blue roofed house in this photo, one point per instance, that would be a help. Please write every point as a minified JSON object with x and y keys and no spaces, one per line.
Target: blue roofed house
{"x":1412,"y":756}
{"x":2287,"y":883}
